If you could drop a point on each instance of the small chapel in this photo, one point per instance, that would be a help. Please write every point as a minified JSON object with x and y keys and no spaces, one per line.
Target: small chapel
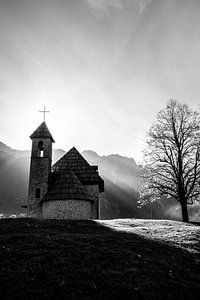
{"x":70,"y":189}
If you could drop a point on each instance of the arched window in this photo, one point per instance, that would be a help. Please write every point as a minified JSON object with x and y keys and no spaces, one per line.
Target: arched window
{"x":37,"y":193}
{"x":41,"y":148}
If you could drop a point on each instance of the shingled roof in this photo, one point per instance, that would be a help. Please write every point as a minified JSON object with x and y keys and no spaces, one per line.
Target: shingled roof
{"x":67,"y":186}
{"x":74,"y":161}
{"x":42,"y":132}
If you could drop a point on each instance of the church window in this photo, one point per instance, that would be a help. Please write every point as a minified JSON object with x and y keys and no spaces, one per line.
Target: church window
{"x":37,"y":193}
{"x":41,"y":148}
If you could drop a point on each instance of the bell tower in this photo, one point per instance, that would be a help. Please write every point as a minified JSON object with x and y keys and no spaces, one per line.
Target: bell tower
{"x":40,"y":168}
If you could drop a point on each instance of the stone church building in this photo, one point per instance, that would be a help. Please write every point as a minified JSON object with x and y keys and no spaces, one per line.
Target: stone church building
{"x":69,"y":189}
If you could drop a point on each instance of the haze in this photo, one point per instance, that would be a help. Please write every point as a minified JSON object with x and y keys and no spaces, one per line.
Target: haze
{"x":104,"y":68}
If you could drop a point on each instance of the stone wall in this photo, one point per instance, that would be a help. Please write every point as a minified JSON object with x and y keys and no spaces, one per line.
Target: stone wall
{"x":39,"y":173}
{"x":67,"y":209}
{"x":93,"y":191}
{"x":40,"y":168}
{"x":47,"y":147}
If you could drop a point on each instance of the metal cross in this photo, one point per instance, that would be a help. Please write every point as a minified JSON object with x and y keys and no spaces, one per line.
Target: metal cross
{"x":44,"y":112}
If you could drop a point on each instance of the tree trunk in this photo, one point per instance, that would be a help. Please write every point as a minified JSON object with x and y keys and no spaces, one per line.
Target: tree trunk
{"x":185,"y":217}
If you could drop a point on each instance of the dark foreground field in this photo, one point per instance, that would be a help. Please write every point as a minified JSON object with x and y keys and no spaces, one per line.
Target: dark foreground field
{"x":117,"y":259}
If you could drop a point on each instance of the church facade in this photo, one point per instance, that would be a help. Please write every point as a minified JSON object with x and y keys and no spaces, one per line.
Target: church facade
{"x":70,"y":189}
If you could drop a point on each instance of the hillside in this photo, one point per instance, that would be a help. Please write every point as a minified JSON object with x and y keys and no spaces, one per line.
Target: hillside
{"x":116,"y":259}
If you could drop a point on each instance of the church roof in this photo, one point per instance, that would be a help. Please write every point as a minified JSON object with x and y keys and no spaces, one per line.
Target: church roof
{"x":42,"y":132}
{"x":66,"y":186}
{"x":74,"y":161}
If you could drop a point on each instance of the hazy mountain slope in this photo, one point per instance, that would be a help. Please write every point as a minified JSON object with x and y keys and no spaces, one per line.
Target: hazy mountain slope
{"x":13,"y":182}
{"x":120,"y":176}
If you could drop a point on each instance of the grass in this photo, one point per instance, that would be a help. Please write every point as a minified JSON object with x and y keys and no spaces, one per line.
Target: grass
{"x":116,"y":259}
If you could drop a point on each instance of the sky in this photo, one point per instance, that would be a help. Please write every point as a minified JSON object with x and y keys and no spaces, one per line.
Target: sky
{"x":104,"y":69}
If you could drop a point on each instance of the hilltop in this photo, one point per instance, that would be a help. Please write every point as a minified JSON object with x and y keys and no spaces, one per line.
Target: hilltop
{"x":116,"y":259}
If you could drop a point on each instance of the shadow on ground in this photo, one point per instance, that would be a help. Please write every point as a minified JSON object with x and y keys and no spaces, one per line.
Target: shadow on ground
{"x":52,"y":259}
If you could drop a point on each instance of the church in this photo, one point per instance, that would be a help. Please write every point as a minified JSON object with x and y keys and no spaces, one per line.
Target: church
{"x":70,"y":189}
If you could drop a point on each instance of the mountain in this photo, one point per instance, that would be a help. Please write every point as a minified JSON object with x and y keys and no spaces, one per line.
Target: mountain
{"x":5,"y":148}
{"x":57,"y":154}
{"x":120,"y":198}
{"x":119,"y":174}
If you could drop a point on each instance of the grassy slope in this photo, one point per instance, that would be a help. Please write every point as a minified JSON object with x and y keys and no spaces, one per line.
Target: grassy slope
{"x":117,"y":259}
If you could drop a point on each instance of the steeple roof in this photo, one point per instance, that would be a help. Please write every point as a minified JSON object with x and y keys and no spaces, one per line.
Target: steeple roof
{"x":42,"y":132}
{"x":66,"y":186}
{"x":75,"y":162}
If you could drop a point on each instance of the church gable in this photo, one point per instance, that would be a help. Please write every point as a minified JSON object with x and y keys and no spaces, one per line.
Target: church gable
{"x":73,"y":160}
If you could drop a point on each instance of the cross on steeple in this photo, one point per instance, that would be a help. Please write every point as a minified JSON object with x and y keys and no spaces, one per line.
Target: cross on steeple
{"x":44,"y":112}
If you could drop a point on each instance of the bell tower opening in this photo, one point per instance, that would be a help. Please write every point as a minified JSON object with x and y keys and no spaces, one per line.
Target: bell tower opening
{"x":41,"y":148}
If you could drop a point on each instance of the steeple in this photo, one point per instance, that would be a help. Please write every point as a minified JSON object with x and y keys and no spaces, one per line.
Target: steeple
{"x":42,"y":132}
{"x":40,"y":168}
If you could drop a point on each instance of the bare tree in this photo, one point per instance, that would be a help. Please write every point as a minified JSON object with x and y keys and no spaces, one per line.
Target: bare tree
{"x":172,"y":161}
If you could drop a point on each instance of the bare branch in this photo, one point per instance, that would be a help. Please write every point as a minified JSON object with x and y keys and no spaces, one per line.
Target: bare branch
{"x":172,"y":156}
